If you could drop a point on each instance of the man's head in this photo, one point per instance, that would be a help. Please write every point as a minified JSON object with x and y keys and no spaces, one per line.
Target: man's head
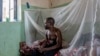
{"x":49,"y":22}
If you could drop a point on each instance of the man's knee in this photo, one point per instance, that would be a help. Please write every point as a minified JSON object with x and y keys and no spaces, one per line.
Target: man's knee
{"x":50,"y":53}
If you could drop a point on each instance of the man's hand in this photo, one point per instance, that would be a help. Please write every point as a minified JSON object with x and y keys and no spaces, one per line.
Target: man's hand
{"x":22,"y":51}
{"x":41,"y":49}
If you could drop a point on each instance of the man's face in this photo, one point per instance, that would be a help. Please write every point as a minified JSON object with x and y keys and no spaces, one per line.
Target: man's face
{"x":47,"y":25}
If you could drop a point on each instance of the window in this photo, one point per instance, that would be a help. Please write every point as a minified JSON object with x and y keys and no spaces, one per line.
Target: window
{"x":9,"y":10}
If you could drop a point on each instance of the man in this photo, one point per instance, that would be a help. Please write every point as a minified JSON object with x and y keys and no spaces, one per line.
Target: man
{"x":53,"y":41}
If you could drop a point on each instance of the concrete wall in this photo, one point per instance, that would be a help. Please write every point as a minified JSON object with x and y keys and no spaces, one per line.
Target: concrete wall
{"x":10,"y":36}
{"x":56,"y":3}
{"x":45,"y":3}
{"x":9,"y":39}
{"x":37,"y":3}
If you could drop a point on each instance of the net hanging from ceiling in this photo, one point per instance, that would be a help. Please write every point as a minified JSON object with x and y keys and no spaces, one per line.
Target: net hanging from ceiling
{"x":79,"y":23}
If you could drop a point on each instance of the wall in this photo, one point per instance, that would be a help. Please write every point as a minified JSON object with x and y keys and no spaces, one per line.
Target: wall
{"x":9,"y":39}
{"x":45,"y":3}
{"x":37,"y":3}
{"x":10,"y":36}
{"x":57,"y":3}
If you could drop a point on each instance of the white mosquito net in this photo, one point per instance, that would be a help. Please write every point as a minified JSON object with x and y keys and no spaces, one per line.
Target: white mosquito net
{"x":79,"y":23}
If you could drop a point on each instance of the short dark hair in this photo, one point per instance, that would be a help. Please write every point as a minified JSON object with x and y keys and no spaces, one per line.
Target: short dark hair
{"x":51,"y":20}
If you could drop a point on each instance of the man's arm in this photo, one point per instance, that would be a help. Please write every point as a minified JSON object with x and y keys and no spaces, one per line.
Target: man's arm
{"x":43,"y":42}
{"x":59,"y":42}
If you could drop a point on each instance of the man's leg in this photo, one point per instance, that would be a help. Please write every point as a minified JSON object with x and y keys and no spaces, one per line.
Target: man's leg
{"x":36,"y":53}
{"x":50,"y":53}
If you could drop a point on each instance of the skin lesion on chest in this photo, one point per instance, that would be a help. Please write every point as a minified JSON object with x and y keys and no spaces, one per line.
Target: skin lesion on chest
{"x":52,"y":39}
{"x":52,"y":35}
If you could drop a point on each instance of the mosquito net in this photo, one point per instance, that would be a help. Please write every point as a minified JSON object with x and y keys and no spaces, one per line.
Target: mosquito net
{"x":79,"y":23}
